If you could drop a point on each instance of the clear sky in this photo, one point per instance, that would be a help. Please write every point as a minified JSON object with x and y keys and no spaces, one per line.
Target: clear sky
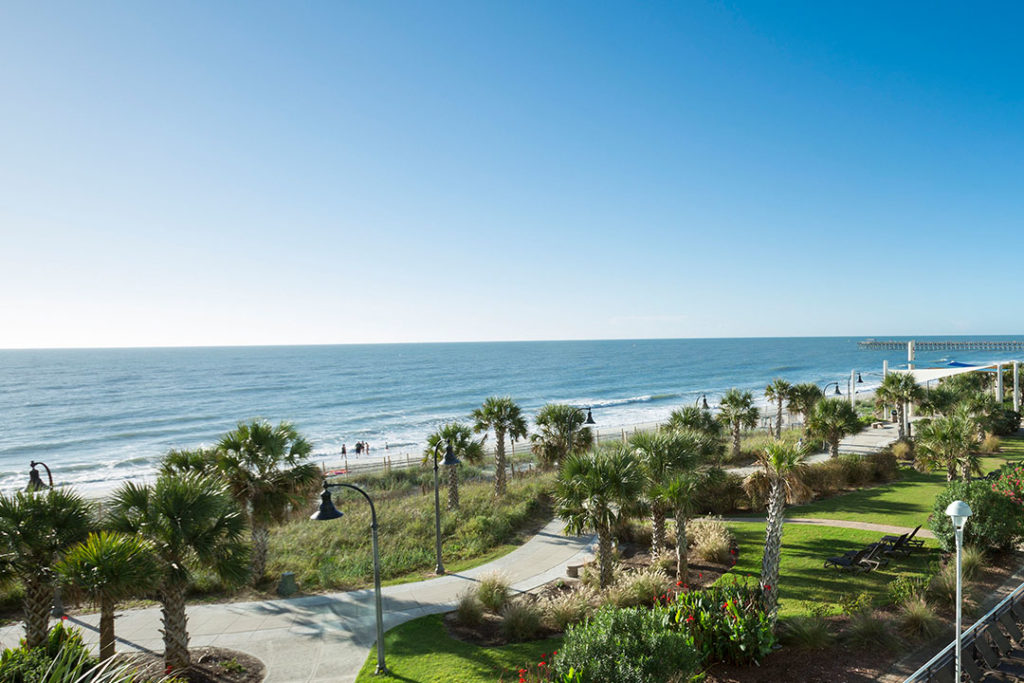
{"x":177,"y":173}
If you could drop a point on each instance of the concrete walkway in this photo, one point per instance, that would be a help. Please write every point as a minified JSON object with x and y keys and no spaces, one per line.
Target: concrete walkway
{"x":328,"y":637}
{"x":844,"y":524}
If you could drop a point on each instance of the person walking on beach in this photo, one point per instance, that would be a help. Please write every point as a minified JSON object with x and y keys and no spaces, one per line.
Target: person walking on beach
{"x":343,"y":452}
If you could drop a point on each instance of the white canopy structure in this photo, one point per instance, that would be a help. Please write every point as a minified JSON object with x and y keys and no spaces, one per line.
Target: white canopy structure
{"x":925,"y":375}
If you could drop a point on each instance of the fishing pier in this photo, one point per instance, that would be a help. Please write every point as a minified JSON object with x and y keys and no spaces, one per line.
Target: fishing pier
{"x":890,"y":345}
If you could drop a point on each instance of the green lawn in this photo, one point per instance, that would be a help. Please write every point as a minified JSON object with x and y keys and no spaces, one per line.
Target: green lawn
{"x":906,"y":502}
{"x":422,"y":651}
{"x":804,"y":581}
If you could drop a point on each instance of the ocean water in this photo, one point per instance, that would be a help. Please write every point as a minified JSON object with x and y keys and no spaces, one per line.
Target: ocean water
{"x":97,"y":417}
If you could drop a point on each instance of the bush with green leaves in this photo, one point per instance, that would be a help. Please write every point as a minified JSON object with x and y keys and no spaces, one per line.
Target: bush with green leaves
{"x":626,"y":646}
{"x":997,"y":521}
{"x":1002,"y":421}
{"x":720,"y":492}
{"x":726,"y":623}
{"x":906,"y":587}
{"x":63,"y":656}
{"x":492,"y":591}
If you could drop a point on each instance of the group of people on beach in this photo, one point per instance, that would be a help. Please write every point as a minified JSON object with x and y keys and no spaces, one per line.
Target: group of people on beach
{"x":361,"y":447}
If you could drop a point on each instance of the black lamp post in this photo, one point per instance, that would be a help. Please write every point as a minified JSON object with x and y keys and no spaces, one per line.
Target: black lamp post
{"x":825,"y":390}
{"x":586,"y":423}
{"x":35,"y":482}
{"x":449,"y":459}
{"x":703,"y":398}
{"x":859,"y":380}
{"x":327,"y":512}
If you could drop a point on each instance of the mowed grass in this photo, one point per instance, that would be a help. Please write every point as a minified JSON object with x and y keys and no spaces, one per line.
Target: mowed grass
{"x":804,"y":581}
{"x":906,"y":502}
{"x":336,"y":555}
{"x":421,"y":651}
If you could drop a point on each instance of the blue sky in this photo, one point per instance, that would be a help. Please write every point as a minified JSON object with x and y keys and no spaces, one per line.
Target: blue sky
{"x":247,"y":173}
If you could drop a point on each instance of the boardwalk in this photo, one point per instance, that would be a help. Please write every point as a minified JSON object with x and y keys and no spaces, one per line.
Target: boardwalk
{"x":980,"y":345}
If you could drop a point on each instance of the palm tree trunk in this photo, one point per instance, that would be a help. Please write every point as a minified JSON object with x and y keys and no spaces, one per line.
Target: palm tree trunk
{"x":38,"y":600}
{"x":604,"y":556}
{"x":499,"y":462}
{"x":682,"y":543}
{"x":106,"y":628}
{"x":735,"y":440}
{"x":900,"y":421}
{"x":453,"y":487}
{"x":175,"y":630}
{"x":657,"y":530}
{"x":778,"y":420}
{"x":260,"y":535}
{"x":833,"y":448}
{"x":773,"y":548}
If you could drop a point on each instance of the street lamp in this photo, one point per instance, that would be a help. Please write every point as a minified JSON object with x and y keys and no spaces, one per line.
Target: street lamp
{"x":958,"y":512}
{"x":35,"y":482}
{"x":825,"y":389}
{"x":704,"y":398}
{"x":449,"y":459}
{"x":586,"y":423}
{"x":327,"y":512}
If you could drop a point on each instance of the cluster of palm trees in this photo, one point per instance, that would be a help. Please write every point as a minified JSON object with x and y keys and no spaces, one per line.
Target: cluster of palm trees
{"x":153,"y":538}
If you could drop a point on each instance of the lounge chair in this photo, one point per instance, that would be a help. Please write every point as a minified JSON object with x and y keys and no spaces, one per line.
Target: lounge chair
{"x":851,"y":562}
{"x":896,"y":544}
{"x":874,"y":558}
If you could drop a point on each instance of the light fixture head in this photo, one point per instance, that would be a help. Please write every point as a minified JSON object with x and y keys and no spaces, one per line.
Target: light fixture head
{"x":704,"y":399}
{"x":838,"y":393}
{"x":327,"y":510}
{"x":859,"y":380}
{"x":449,"y":455}
{"x":958,"y":512}
{"x":590,"y":418}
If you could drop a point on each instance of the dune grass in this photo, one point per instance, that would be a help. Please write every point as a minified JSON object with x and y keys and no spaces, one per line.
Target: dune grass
{"x":804,"y":582}
{"x":421,"y":651}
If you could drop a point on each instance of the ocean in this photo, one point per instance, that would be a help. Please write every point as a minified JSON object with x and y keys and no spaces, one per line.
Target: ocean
{"x":100,"y":416}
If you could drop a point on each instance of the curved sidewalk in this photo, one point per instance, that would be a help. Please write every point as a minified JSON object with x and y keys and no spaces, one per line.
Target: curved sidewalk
{"x":328,"y":637}
{"x":842,"y":523}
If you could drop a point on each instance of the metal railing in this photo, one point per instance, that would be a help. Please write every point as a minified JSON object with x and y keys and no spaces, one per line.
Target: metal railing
{"x":930,"y":667}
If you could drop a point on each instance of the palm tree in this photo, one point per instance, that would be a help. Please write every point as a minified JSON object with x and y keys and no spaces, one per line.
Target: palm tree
{"x":661,"y":457}
{"x":738,"y":412}
{"x":561,"y":431}
{"x":779,"y":391}
{"x":35,"y":528}
{"x":900,"y":389}
{"x":695,"y":419}
{"x":194,"y":523}
{"x":501,"y":415}
{"x":831,"y":420}
{"x":783,"y":465}
{"x":267,"y":471}
{"x":803,"y":397}
{"x":465,"y":448}
{"x":108,"y":567}
{"x":950,"y":442}
{"x":680,"y":492}
{"x":594,"y":491}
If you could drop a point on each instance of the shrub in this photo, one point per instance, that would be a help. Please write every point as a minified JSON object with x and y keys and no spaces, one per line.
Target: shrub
{"x":918,"y":620}
{"x":711,"y":539}
{"x":809,"y":633}
{"x":990,"y":444}
{"x":520,"y":620}
{"x":720,"y":492}
{"x":727,"y":623}
{"x":826,"y":478}
{"x":492,"y":591}
{"x":853,"y":604}
{"x":884,"y":465}
{"x":971,"y":561}
{"x":63,"y":656}
{"x":997,"y":521}
{"x":901,"y":450}
{"x":856,"y":471}
{"x":906,"y":587}
{"x":1002,"y":422}
{"x":566,"y":608}
{"x":469,"y":610}
{"x":639,"y":588}
{"x":868,"y":630}
{"x":626,"y":646}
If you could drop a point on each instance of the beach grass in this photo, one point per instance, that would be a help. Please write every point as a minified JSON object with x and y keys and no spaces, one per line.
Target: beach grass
{"x":421,"y":651}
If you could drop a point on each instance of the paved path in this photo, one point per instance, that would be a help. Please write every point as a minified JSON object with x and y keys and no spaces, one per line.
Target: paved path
{"x":328,"y":637}
{"x":324,"y":638}
{"x":844,"y":524}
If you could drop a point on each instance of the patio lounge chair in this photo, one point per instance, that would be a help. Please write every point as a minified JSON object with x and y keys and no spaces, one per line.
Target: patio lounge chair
{"x":851,"y":562}
{"x":896,"y":544}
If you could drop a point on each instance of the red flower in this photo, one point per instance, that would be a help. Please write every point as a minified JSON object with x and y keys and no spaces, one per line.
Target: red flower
{"x":733,"y":551}
{"x":522,"y":671}
{"x":555,"y":652}
{"x":767,"y":587}
{"x":540,"y":664}
{"x":679,"y":583}
{"x":169,"y":669}
{"x":689,"y":618}
{"x":700,"y":576}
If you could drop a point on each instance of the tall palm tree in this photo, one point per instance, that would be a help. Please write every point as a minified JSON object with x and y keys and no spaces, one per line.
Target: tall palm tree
{"x":594,"y":491}
{"x":738,"y":412}
{"x":194,"y":523}
{"x":465,"y":448}
{"x":561,"y":431}
{"x":661,"y":456}
{"x":803,"y":397}
{"x":681,"y":492}
{"x":778,"y":391}
{"x":501,"y":415}
{"x":950,"y":442}
{"x":695,"y":419}
{"x":35,"y":529}
{"x":782,"y":465}
{"x":109,"y":566}
{"x":900,"y":389}
{"x":831,"y":420}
